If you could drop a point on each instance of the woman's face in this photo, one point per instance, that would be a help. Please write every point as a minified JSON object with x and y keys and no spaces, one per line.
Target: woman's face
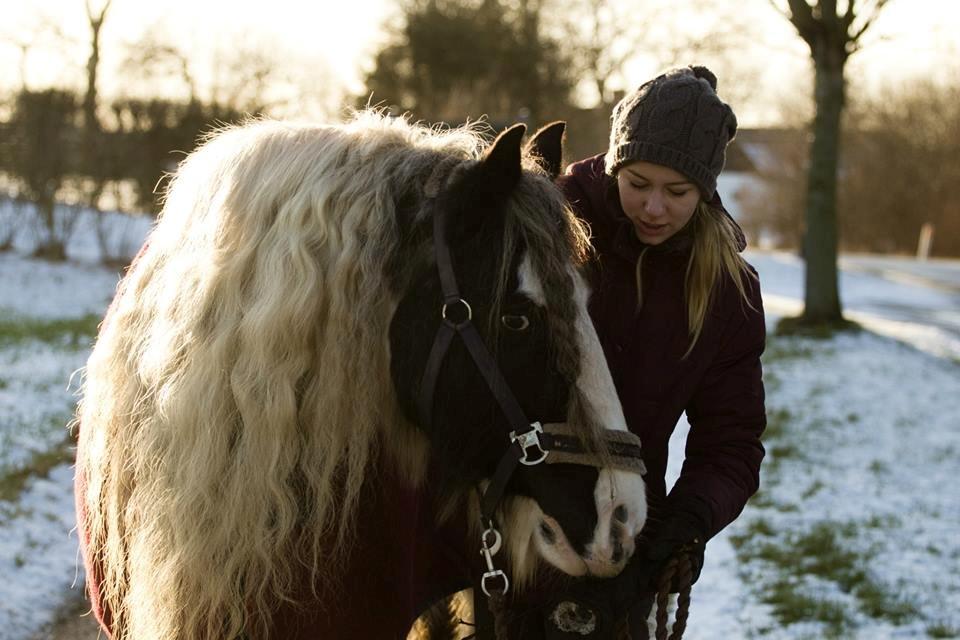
{"x":658,"y":200}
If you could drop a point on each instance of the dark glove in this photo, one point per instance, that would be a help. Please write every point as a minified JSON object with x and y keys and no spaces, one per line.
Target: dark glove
{"x":590,"y":607}
{"x":680,"y":532}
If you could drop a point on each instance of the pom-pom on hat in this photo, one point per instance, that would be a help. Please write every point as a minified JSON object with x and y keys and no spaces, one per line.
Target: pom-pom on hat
{"x":676,"y":120}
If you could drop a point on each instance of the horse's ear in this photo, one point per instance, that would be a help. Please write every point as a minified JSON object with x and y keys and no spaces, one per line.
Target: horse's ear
{"x":500,"y":165}
{"x":547,"y":146}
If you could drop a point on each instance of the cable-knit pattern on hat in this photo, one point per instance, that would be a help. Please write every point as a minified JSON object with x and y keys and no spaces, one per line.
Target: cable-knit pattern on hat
{"x":676,"y":120}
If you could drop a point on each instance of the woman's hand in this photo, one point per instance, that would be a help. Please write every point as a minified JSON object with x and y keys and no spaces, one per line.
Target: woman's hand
{"x":680,"y":532}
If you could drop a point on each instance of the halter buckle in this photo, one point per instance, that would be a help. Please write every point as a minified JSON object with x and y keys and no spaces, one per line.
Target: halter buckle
{"x":528,"y":441}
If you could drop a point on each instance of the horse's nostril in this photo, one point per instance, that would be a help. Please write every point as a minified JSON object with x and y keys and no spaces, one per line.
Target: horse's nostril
{"x":547,"y":533}
{"x":620,"y":513}
{"x":617,"y":555}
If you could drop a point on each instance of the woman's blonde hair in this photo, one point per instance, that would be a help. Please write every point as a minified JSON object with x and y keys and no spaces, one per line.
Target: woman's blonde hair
{"x":715,"y":254}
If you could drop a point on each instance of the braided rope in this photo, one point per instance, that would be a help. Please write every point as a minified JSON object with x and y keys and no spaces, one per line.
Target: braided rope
{"x":498,"y":609}
{"x":679,"y":571}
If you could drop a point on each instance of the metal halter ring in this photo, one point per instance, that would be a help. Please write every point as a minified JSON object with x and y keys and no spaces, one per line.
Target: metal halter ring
{"x":493,"y":575}
{"x":455,"y":325}
{"x":528,"y":441}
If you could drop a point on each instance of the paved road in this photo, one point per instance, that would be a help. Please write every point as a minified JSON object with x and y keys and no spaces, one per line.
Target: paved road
{"x":936,"y":273}
{"x":917,"y":302}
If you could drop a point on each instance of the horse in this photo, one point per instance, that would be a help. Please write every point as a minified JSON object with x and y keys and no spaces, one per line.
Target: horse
{"x":254,"y":459}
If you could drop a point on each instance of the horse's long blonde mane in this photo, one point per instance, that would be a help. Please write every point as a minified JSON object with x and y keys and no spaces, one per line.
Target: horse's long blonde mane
{"x":247,"y":343}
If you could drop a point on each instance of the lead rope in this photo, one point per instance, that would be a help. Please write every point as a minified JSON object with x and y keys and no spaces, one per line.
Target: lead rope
{"x":679,"y":571}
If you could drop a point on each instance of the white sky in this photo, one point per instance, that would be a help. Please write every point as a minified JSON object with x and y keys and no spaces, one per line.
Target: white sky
{"x":323,"y":45}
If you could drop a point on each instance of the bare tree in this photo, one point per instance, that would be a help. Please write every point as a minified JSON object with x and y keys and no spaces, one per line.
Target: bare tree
{"x":902,"y":166}
{"x":42,"y":143}
{"x":95,"y":20}
{"x":97,"y":159}
{"x":833,"y":36}
{"x":603,"y":34}
{"x":43,"y":33}
{"x":153,"y":60}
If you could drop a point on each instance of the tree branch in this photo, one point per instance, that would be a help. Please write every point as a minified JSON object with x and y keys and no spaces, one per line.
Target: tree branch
{"x":779,"y":9}
{"x":96,"y":21}
{"x":801,"y":16}
{"x":871,"y":17}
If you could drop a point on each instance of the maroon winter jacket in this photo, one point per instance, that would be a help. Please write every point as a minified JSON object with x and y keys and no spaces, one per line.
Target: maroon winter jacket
{"x":718,"y":384}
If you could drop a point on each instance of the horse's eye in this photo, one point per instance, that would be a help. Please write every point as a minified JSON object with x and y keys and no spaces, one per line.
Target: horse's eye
{"x":515,"y":323}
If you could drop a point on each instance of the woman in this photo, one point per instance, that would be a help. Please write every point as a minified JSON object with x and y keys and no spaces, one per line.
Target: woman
{"x":677,"y":309}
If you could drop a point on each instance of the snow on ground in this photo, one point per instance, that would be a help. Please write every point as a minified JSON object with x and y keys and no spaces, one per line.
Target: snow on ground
{"x":38,"y":555}
{"x":46,"y":290}
{"x":870,"y":448}
{"x":864,"y":440}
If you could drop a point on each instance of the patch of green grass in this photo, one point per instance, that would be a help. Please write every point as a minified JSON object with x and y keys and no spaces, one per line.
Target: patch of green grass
{"x":879,"y":467}
{"x":940,"y":630}
{"x":780,"y":350}
{"x":74,"y":333}
{"x":790,"y":605}
{"x":877,"y":602}
{"x":755,"y":529}
{"x":882,"y":522}
{"x":819,"y":330}
{"x":777,"y":421}
{"x":12,"y":484}
{"x":819,"y":552}
{"x":813,"y":489}
{"x":762,"y":500}
{"x":822,"y":554}
{"x":783,"y":451}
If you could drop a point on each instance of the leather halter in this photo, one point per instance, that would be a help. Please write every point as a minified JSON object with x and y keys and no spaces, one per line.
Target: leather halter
{"x":530,"y":443}
{"x":525,"y":446}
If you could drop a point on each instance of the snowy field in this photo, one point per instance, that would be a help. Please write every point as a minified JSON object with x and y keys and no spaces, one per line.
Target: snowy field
{"x":854,"y":534}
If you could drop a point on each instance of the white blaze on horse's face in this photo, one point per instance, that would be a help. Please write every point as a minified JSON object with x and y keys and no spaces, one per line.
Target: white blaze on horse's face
{"x":620,"y":496}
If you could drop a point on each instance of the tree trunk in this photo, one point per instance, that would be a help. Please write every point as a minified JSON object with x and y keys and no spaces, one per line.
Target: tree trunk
{"x":51,"y":246}
{"x":821,"y":294}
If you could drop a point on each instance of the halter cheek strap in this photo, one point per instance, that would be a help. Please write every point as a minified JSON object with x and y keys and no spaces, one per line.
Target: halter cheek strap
{"x":525,"y":446}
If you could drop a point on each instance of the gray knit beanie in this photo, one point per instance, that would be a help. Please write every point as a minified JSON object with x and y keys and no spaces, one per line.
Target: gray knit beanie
{"x":675,"y":120}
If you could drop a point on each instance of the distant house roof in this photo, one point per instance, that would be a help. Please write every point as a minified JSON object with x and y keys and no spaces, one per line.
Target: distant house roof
{"x":762,"y":150}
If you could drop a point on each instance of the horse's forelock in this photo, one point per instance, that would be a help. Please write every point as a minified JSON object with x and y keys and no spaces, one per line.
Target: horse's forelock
{"x":557,"y":244}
